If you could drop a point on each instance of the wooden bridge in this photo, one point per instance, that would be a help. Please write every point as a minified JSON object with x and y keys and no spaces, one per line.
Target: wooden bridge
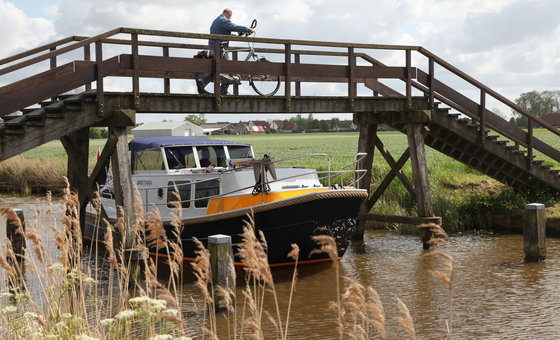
{"x":410,"y":97}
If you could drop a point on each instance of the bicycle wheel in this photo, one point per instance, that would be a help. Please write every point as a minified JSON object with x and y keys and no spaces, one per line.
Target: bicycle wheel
{"x":265,"y":85}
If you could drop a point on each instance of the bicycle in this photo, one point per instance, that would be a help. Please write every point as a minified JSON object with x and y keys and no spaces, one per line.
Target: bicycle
{"x":264,"y":85}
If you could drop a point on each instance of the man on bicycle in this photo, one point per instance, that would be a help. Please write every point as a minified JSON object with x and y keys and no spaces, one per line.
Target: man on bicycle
{"x":221,"y":25}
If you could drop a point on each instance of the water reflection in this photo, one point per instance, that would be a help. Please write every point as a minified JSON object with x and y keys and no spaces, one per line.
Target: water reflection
{"x":495,"y":294}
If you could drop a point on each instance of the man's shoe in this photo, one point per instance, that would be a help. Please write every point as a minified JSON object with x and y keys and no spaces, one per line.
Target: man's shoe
{"x":200,"y":87}
{"x":227,"y":78}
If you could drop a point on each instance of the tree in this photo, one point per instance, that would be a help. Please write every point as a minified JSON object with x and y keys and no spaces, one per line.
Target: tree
{"x":196,"y":119}
{"x":539,"y":103}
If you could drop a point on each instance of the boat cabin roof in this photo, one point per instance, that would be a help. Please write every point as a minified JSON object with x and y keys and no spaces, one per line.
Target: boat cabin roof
{"x":140,"y":144}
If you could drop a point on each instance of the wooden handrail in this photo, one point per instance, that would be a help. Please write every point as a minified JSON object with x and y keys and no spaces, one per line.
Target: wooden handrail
{"x":57,"y":52}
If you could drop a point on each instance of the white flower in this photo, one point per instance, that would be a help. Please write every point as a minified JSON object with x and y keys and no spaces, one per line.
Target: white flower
{"x":58,"y":266}
{"x":125,"y":314}
{"x":139,"y":300}
{"x":6,"y":295}
{"x":107,"y":322}
{"x":173,"y":312}
{"x":89,"y":280}
{"x":30,"y":315}
{"x":9,"y":309}
{"x":85,"y":337}
{"x":162,"y":337}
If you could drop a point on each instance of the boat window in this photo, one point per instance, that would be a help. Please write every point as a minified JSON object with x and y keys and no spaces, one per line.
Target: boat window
{"x":240,"y":152}
{"x":184,"y":189}
{"x":180,"y":157}
{"x":203,"y":190}
{"x":211,"y":155}
{"x":149,"y":160}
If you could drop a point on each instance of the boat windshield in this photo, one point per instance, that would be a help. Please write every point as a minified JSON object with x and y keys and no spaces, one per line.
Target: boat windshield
{"x":180,"y":157}
{"x":208,"y":155}
{"x":240,"y":152}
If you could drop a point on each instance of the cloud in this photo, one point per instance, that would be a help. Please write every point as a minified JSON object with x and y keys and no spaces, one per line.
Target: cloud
{"x":20,"y":32}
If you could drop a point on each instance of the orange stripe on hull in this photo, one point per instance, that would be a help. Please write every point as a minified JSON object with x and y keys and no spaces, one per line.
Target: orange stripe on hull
{"x":218,"y":205}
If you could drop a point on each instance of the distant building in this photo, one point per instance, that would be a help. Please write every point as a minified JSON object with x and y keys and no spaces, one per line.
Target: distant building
{"x":552,"y":118}
{"x":346,"y":125}
{"x":221,"y":128}
{"x":246,"y":128}
{"x":277,"y":124}
{"x":264,"y":124}
{"x":167,"y":129}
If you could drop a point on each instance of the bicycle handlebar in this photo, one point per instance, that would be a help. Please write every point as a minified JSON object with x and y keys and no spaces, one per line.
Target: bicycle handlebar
{"x":253,"y":25}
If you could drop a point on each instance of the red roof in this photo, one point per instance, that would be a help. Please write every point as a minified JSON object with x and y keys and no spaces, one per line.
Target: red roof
{"x":552,"y":118}
{"x":262,"y":123}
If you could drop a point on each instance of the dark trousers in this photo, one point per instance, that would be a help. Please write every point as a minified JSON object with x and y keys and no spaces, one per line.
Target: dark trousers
{"x":210,"y":76}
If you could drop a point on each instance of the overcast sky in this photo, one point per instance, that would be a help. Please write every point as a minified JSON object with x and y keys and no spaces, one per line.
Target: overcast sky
{"x":513,"y":46}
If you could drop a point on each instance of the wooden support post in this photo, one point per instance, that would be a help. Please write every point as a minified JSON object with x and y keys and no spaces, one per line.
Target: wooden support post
{"x":122,"y":180}
{"x":534,"y":232}
{"x":87,"y":57}
{"x":15,"y":235}
{"x":76,"y":145}
{"x":221,"y":264}
{"x":235,"y":57}
{"x":166,"y":81}
{"x":368,"y":133}
{"x":288,"y":75}
{"x":298,"y":83}
{"x":420,"y":176}
{"x":15,"y":230}
{"x":99,"y":78}
{"x":135,"y":70}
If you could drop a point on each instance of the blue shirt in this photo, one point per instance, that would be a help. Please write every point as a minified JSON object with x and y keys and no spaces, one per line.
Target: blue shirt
{"x":222,"y":25}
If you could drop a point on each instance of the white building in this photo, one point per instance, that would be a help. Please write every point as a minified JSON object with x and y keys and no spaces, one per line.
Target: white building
{"x":167,"y":129}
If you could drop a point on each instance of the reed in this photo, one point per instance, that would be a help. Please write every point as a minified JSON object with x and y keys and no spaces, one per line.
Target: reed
{"x":74,"y":302}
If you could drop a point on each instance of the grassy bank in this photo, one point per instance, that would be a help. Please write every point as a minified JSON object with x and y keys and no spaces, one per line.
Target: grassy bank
{"x":460,"y":194}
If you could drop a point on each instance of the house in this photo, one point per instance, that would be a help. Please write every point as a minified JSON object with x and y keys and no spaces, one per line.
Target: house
{"x":220,"y":128}
{"x":167,"y":129}
{"x":346,"y":125}
{"x":264,"y":124}
{"x":277,"y":124}
{"x":552,"y":118}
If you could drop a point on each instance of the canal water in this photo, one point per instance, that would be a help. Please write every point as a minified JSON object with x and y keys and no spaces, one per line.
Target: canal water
{"x":495,"y":295}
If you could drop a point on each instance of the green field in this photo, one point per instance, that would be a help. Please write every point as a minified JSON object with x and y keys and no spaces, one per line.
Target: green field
{"x":458,"y":191}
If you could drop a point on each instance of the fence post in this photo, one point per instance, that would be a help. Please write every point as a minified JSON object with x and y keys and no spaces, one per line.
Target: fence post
{"x":221,"y":264}
{"x":534,"y":232}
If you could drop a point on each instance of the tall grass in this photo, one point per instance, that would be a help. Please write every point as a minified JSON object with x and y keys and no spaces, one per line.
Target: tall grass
{"x":69,"y":299}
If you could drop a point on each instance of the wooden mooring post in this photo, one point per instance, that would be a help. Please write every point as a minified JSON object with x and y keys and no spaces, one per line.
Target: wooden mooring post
{"x":221,"y":264}
{"x":534,"y":232}
{"x":15,"y":231}
{"x":16,"y":237}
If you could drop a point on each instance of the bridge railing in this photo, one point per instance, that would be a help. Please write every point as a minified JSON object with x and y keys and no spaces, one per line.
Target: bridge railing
{"x":293,"y":71}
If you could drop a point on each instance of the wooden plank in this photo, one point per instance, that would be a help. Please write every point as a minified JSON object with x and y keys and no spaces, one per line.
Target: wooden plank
{"x":402,"y":219}
{"x":387,"y":180}
{"x":257,"y":104}
{"x":172,"y":66}
{"x":45,"y":85}
{"x":392,"y":163}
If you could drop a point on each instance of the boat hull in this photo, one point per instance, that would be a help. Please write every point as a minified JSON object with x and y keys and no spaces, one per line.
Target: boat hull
{"x":283,"y":223}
